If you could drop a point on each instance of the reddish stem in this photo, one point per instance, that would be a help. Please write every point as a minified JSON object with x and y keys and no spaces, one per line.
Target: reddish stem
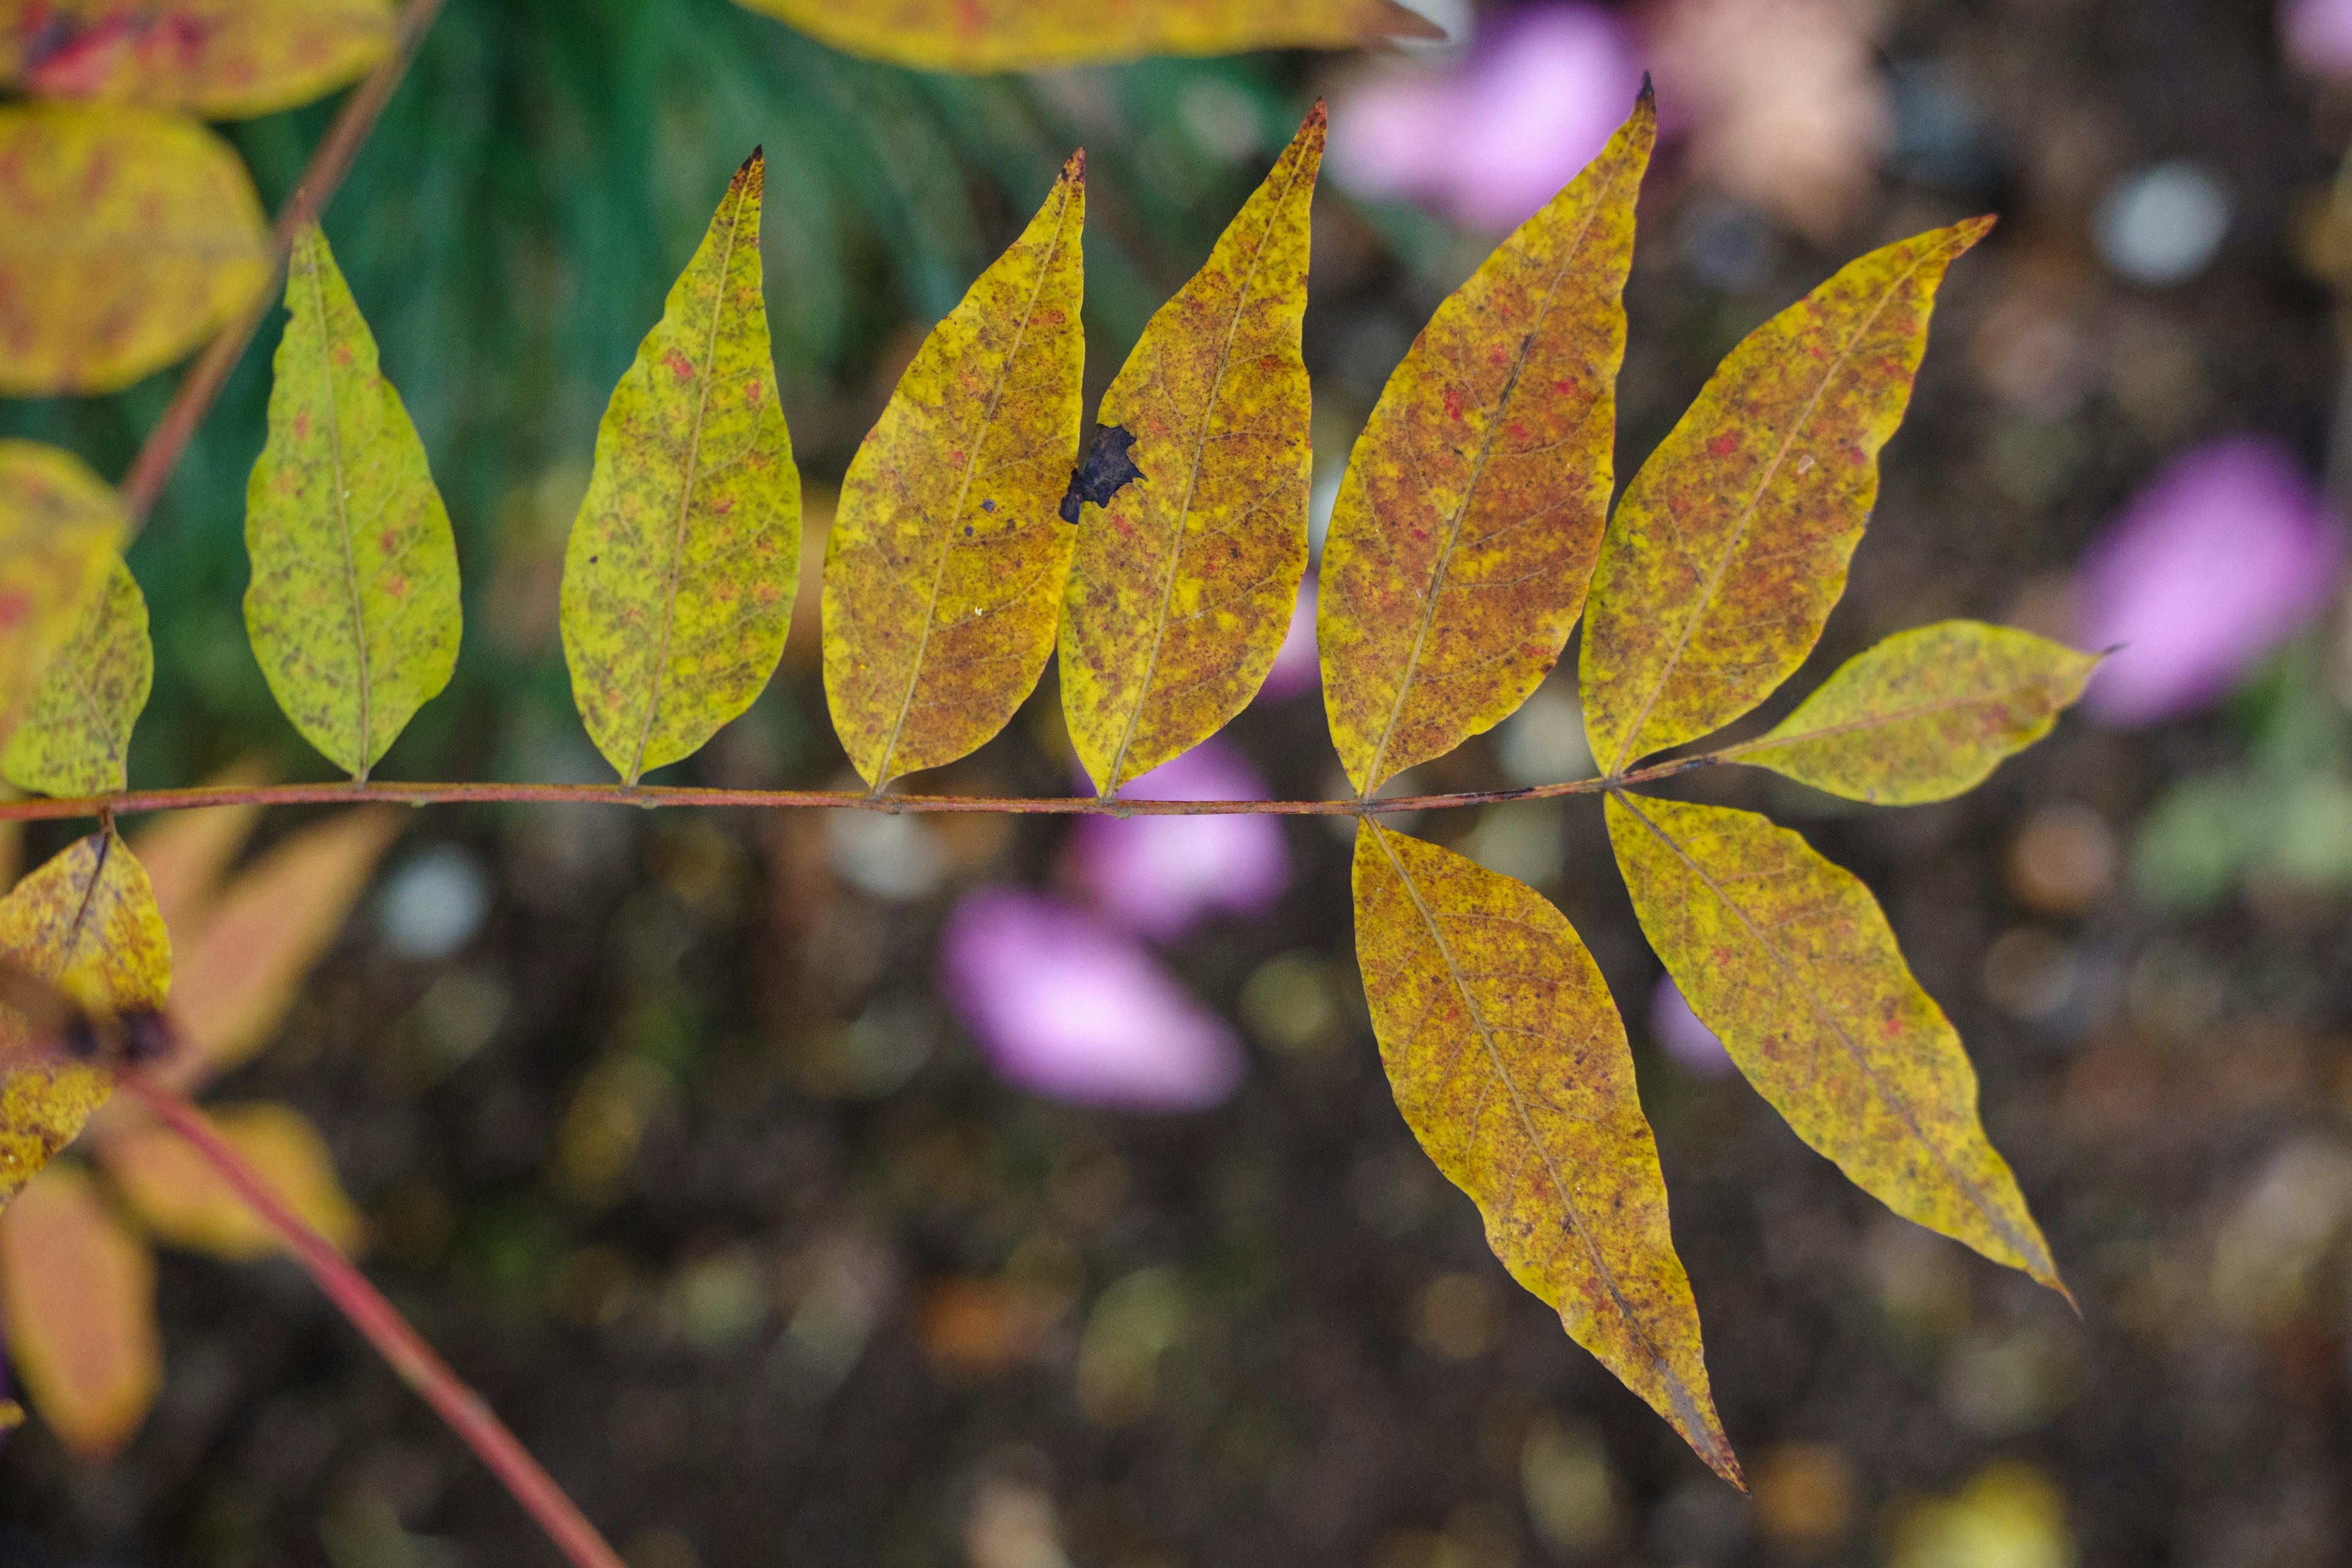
{"x":329,"y":164}
{"x":387,"y":1330}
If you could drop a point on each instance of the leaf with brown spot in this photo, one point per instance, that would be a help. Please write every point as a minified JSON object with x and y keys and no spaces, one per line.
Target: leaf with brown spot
{"x":944,"y":573}
{"x":1472,"y":508}
{"x":1035,"y":35}
{"x":59,"y":525}
{"x":1510,"y":1063}
{"x":78,"y":1287}
{"x":76,"y":739}
{"x":1731,"y":545}
{"x":1788,"y":960}
{"x":127,"y":237}
{"x":225,"y":59}
{"x":1185,"y":576}
{"x":180,"y":1197}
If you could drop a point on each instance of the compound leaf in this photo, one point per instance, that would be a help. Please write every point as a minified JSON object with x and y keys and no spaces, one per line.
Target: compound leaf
{"x":1731,"y":545}
{"x":1925,"y":714}
{"x":1185,"y":577}
{"x":74,"y":738}
{"x":181,"y":1198}
{"x":225,"y":59}
{"x":127,"y":237}
{"x":1473,"y":505}
{"x":86,"y":922}
{"x":679,"y":573}
{"x":1031,"y":34}
{"x":353,"y":608}
{"x":945,"y":568}
{"x":79,"y":1290}
{"x":1788,"y":960}
{"x":1510,"y":1063}
{"x":59,"y":524}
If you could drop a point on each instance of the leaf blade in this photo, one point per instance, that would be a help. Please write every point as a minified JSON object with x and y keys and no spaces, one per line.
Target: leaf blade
{"x":1183,"y":584}
{"x":943,"y":580}
{"x":59,"y":525}
{"x":223,"y":59}
{"x":1485,"y":466}
{"x":679,"y":572}
{"x":76,"y":738}
{"x":352,"y":609}
{"x":178,"y":1195}
{"x":1731,"y":545}
{"x":1788,"y":960}
{"x":78,"y":1286}
{"x":1029,"y":35}
{"x":1515,"y":1002}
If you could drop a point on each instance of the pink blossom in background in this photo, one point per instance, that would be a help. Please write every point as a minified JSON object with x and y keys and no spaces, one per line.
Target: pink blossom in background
{"x":2318,"y":35}
{"x":1296,"y":667}
{"x":1489,"y":139}
{"x":1691,"y":1045}
{"x":2224,"y":555}
{"x":1063,"y":1005}
{"x":1162,"y":876}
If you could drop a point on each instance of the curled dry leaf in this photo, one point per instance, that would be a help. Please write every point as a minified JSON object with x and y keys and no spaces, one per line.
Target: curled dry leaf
{"x":1925,"y":714}
{"x":1730,"y":546}
{"x":1185,"y":577}
{"x":59,"y":525}
{"x":353,"y":608}
{"x":944,"y":574}
{"x":180,"y":1197}
{"x":1510,"y":1063}
{"x":79,"y":1291}
{"x":1032,"y":34}
{"x":86,"y":922}
{"x":127,"y":237}
{"x":679,"y":573}
{"x":225,"y":59}
{"x":1788,"y":960}
{"x":1471,"y":509}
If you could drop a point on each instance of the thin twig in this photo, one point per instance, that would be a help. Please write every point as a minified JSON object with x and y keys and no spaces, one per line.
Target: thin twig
{"x":651,"y":796}
{"x":387,"y":1330}
{"x":329,"y":164}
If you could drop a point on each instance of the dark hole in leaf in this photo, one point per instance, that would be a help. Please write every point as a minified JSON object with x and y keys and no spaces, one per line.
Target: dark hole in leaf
{"x":1107,"y":469}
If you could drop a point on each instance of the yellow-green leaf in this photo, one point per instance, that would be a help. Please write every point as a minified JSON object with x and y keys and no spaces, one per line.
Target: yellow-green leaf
{"x":1510,"y":1063}
{"x":1731,"y":545}
{"x":1187,"y":572}
{"x":944,"y":571}
{"x":127,"y":237}
{"x":1788,"y":960}
{"x":76,"y":737}
{"x":79,"y":1291}
{"x":59,"y":524}
{"x":1472,"y":508}
{"x":1925,"y":714}
{"x":225,"y":59}
{"x":179,"y":1195}
{"x":86,"y":922}
{"x":1031,"y":34}
{"x":679,"y":573}
{"x":353,"y":608}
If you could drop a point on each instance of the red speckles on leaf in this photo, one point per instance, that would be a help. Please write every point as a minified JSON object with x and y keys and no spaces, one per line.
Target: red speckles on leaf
{"x":677,"y":364}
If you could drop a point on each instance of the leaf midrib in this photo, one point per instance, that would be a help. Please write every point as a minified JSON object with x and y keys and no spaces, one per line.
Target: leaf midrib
{"x":342,"y":511}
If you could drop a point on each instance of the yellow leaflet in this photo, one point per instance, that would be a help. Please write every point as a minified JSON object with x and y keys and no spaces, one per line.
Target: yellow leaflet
{"x":127,"y":237}
{"x":1788,"y":959}
{"x":1510,"y":1063}
{"x":1186,"y":575}
{"x":1731,"y":545}
{"x":86,"y":921}
{"x":944,"y":571}
{"x":75,"y":737}
{"x":78,"y":1289}
{"x":1028,"y":35}
{"x":225,"y":59}
{"x":185,"y":1201}
{"x":1925,"y":714}
{"x":1472,"y":508}
{"x":59,"y":525}
{"x":353,"y":608}
{"x":679,"y":573}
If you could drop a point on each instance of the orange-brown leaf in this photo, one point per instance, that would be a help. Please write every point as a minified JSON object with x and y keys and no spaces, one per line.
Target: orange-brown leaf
{"x":179,"y":1195}
{"x":1032,"y":35}
{"x":1471,"y":509}
{"x":79,"y":1289}
{"x":186,"y":853}
{"x":1731,"y":545}
{"x":1510,"y":1063}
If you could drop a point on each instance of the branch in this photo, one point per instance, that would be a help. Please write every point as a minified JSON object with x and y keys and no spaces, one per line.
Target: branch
{"x":386,"y":1330}
{"x":653,"y":796}
{"x":329,"y":164}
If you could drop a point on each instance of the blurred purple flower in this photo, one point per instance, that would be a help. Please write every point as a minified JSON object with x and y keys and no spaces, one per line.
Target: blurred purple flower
{"x":1296,"y":667}
{"x":1691,"y":1045}
{"x":1490,"y":140}
{"x":1162,"y":876}
{"x":2318,"y":35}
{"x":1066,"y":1006}
{"x":2224,"y":555}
